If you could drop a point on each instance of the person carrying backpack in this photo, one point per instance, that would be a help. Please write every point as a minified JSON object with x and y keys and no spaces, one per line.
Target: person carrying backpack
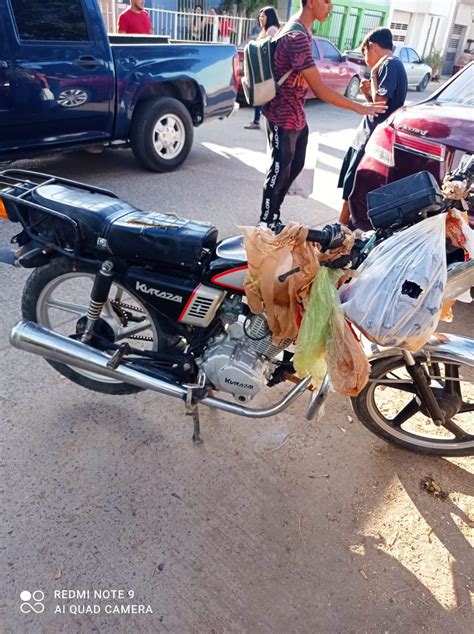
{"x":287,"y":129}
{"x":269,"y":25}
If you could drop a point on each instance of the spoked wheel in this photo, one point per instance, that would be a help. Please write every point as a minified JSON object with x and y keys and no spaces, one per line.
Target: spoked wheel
{"x":389,"y":407}
{"x":56,"y":297}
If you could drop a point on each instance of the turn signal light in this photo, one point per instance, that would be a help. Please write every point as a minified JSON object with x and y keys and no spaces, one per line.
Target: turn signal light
{"x":3,"y":211}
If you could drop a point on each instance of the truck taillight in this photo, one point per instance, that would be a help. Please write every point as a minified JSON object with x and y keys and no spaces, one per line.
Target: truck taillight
{"x":380,"y":145}
{"x":236,"y":71}
{"x":418,"y":145}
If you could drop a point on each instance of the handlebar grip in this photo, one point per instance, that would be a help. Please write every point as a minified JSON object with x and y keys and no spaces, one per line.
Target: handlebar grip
{"x":321,"y":237}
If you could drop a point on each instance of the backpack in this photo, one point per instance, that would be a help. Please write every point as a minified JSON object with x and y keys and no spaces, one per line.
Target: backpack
{"x":259,"y":82}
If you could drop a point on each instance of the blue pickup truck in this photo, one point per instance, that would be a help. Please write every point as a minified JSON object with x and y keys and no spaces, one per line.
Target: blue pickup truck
{"x":64,"y":83}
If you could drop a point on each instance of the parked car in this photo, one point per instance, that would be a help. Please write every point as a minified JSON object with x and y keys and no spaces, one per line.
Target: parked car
{"x":64,"y":84}
{"x":434,"y":135}
{"x":336,"y":71}
{"x":418,"y":72}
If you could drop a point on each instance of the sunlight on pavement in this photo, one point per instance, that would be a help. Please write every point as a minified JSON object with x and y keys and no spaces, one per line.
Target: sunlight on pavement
{"x":444,"y":567}
{"x":257,"y":160}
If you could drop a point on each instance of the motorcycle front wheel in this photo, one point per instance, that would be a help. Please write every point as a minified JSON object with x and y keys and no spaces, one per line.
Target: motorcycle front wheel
{"x":56,"y":296}
{"x":390,"y":407}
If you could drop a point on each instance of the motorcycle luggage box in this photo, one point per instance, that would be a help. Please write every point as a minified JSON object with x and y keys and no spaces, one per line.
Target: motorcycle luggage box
{"x":404,"y":202}
{"x":156,"y":237}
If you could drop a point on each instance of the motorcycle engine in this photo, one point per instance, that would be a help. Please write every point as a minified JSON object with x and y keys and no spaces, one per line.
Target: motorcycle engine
{"x":240,"y":361}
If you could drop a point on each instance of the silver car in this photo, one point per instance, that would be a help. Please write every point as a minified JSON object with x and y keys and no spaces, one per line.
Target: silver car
{"x":418,"y":73}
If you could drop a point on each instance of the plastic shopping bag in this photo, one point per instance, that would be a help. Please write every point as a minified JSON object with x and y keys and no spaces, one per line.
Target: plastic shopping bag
{"x":326,"y":342}
{"x":270,"y":256}
{"x":310,"y":355}
{"x":397,"y":298}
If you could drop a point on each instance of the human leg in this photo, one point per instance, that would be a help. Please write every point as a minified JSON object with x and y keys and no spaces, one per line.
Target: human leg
{"x":298,"y":161}
{"x":283,"y":148}
{"x":255,"y":124}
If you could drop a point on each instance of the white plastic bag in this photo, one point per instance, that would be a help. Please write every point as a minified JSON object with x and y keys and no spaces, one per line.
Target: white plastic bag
{"x":397,"y":298}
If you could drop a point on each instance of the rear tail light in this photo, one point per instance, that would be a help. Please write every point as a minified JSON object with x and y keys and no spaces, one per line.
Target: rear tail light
{"x":418,"y":145}
{"x":380,"y":145}
{"x":236,"y":72}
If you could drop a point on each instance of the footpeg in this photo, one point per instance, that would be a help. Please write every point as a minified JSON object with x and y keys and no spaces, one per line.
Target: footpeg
{"x":118,"y":355}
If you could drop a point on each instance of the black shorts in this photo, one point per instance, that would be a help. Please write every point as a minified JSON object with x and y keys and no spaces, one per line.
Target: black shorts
{"x":348,"y":170}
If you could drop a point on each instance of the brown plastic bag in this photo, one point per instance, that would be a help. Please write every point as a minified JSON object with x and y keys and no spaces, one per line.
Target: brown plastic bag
{"x":269,"y":256}
{"x":348,"y":367}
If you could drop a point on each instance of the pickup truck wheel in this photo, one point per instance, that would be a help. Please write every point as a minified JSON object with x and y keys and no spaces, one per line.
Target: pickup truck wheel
{"x":162,"y":134}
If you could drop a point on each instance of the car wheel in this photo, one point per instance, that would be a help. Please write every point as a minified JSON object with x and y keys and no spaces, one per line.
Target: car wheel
{"x":162,"y":134}
{"x":352,"y":89}
{"x":424,"y":82}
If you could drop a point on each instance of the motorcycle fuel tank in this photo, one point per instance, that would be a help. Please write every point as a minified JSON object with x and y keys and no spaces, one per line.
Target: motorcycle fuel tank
{"x":228,"y":269}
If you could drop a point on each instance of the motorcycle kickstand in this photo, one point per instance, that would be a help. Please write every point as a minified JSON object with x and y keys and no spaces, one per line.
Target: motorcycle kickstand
{"x":192,"y":408}
{"x":196,"y":424}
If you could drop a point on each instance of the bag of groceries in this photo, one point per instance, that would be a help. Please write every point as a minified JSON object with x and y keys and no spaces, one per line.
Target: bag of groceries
{"x":396,"y":299}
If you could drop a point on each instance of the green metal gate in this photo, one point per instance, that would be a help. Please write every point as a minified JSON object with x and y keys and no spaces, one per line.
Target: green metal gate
{"x":350,"y":22}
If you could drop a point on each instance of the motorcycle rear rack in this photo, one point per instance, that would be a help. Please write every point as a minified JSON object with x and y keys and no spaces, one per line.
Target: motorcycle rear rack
{"x":25,"y":183}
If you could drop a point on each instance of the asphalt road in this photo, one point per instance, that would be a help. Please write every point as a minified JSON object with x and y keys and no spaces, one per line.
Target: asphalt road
{"x":270,"y":526}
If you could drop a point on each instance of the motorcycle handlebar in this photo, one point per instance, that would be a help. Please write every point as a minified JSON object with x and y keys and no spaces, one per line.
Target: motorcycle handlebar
{"x":318,"y":235}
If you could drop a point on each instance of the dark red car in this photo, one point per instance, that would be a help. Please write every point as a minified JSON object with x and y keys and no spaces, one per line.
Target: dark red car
{"x":335,"y":70}
{"x":433,"y":135}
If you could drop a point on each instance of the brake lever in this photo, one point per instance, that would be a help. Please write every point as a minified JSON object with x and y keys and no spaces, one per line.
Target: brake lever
{"x":284,"y":276}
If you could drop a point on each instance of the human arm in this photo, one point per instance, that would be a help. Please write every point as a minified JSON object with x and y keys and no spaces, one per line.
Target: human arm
{"x":122,"y":24}
{"x":384,"y":79}
{"x":313,"y":79}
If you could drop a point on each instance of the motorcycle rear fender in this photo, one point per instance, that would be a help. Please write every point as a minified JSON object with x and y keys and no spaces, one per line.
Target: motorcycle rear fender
{"x":29,"y":256}
{"x":449,"y":347}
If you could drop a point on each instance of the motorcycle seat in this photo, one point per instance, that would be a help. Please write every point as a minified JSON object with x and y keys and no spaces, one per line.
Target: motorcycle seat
{"x":128,"y":232}
{"x":90,"y":210}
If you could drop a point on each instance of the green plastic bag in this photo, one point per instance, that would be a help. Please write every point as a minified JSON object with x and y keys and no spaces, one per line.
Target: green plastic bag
{"x":315,"y":330}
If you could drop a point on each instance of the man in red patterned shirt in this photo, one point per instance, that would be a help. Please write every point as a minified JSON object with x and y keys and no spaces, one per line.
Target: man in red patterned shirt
{"x":135,"y":19}
{"x":287,"y":129}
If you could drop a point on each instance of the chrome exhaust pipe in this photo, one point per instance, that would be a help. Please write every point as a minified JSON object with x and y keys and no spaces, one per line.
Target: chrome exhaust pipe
{"x":31,"y":337}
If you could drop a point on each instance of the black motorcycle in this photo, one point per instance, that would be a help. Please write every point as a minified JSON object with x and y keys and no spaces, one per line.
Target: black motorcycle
{"x":121,"y":300}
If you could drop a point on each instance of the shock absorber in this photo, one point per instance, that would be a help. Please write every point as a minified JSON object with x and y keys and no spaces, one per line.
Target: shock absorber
{"x":99,"y":294}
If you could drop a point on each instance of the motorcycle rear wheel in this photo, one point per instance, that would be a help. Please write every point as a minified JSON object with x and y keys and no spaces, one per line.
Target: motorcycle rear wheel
{"x":56,"y":296}
{"x":389,"y":407}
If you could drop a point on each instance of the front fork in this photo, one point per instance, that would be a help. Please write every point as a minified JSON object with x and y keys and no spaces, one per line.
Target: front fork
{"x":420,"y":381}
{"x":99,"y":294}
{"x":423,"y":388}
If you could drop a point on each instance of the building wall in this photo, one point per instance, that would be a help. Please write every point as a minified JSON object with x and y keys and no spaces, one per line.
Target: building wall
{"x":430,"y":22}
